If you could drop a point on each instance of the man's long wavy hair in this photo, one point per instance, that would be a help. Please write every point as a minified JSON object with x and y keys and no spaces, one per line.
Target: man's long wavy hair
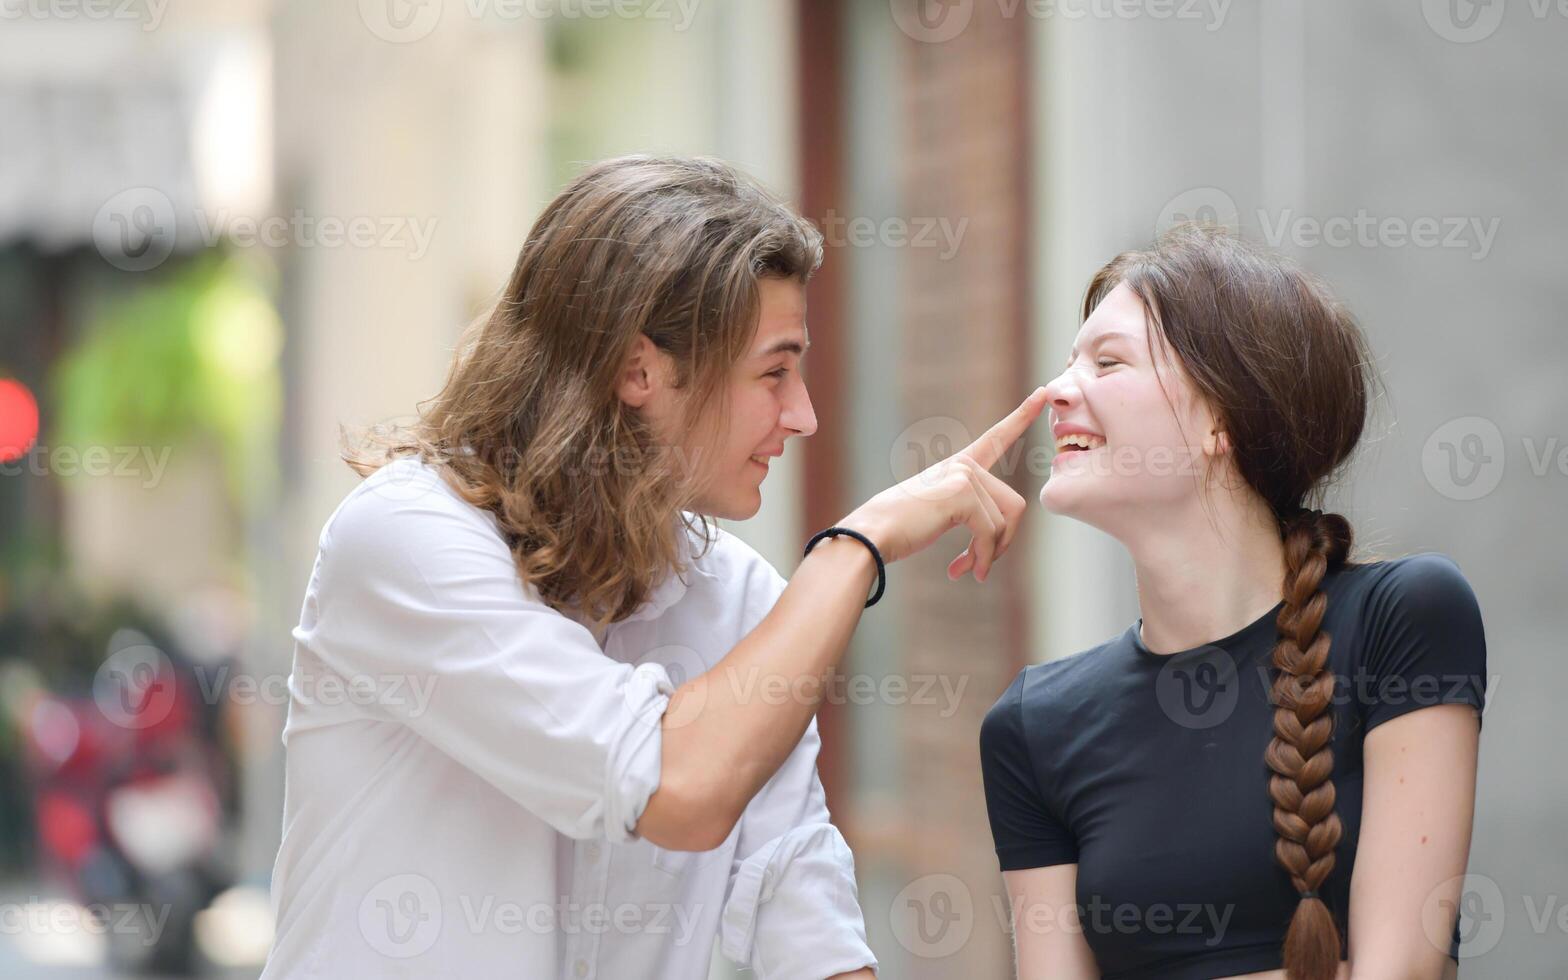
{"x":1285,"y":369}
{"x":529,"y":425}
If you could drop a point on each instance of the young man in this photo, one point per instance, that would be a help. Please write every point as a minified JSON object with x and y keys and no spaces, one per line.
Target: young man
{"x":559,"y":760}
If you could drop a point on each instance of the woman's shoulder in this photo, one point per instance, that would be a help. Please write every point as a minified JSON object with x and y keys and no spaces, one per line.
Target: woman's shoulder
{"x":1048,"y":690}
{"x":1419,"y":580}
{"x":1413,"y":566}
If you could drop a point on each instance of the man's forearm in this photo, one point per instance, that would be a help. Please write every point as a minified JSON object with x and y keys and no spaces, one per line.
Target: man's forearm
{"x":721,"y":742}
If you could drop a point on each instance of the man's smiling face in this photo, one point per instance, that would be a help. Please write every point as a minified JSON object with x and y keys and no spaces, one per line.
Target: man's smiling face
{"x":765,"y":402}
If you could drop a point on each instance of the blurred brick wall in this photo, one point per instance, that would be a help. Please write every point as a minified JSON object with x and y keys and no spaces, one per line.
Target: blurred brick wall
{"x":965,"y":160}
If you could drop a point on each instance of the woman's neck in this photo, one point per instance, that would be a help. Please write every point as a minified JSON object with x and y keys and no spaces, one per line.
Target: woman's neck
{"x":1207,"y":575}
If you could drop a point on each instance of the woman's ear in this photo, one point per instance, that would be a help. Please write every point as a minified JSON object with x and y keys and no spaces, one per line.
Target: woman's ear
{"x":640,"y":376}
{"x":1217,"y":442}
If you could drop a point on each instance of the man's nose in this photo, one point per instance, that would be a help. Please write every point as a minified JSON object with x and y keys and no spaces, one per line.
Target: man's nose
{"x":799,"y":416}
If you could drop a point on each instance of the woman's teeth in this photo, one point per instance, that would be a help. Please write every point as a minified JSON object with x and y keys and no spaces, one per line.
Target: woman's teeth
{"x":1079,"y":440}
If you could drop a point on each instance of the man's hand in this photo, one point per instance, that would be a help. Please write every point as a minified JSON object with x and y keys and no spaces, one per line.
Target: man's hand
{"x":958,"y":490}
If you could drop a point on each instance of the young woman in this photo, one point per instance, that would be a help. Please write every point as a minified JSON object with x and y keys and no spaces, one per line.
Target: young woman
{"x":1190,"y":799}
{"x":534,"y":726}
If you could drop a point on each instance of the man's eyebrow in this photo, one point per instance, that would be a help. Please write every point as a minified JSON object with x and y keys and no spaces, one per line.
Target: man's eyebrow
{"x":1099,"y":339}
{"x":789,"y":346}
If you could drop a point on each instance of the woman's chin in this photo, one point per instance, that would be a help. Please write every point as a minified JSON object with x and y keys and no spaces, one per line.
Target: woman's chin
{"x":1058,"y":498}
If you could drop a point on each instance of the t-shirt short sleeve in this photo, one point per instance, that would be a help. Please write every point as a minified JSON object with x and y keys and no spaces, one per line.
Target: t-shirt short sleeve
{"x":1026,"y":831}
{"x":1424,"y":643}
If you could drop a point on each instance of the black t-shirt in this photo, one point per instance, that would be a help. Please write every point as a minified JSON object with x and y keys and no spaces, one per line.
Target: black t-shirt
{"x":1147,"y":770}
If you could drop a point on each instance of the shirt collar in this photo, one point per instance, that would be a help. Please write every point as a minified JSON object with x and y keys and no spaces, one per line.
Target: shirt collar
{"x":672,"y":588}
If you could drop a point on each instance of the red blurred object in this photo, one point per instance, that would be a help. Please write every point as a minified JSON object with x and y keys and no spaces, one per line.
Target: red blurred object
{"x":18,"y":420}
{"x":128,"y":808}
{"x":67,"y":827}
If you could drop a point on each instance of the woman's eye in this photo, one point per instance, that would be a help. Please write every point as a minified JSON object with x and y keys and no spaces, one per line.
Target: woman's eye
{"x":778,"y":372}
{"x":1106,"y":362}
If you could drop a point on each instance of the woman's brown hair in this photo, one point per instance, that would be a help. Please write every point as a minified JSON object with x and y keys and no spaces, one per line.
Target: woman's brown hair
{"x":1285,"y":369}
{"x":529,"y":425}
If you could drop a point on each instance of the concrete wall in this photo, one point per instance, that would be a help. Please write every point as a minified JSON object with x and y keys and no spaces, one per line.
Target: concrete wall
{"x":1285,"y":115}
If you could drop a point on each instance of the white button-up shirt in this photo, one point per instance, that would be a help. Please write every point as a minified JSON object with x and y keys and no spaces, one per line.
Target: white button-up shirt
{"x":466,"y":768}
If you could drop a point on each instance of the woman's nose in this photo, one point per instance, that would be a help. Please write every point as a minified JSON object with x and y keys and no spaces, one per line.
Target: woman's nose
{"x":1062,"y":390}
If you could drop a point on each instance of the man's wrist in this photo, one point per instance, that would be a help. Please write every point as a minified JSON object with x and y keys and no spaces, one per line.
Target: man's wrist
{"x":851,"y":555}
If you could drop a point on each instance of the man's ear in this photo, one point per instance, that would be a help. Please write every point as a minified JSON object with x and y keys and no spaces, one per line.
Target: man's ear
{"x":639,"y":376}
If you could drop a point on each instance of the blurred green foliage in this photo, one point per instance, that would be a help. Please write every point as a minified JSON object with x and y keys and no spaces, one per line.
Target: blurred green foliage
{"x":189,"y":358}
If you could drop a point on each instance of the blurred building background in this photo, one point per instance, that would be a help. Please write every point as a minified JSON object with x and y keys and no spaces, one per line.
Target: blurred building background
{"x":228,"y":228}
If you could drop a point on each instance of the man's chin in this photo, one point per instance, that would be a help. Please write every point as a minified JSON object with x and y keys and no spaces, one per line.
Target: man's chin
{"x":739,"y":507}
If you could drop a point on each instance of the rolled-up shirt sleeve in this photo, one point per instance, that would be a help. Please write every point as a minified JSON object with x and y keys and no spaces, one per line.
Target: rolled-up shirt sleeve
{"x":418,"y":594}
{"x":792,"y":908}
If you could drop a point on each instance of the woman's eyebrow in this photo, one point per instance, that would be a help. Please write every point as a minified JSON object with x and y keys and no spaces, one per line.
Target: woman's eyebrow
{"x":1099,"y":339}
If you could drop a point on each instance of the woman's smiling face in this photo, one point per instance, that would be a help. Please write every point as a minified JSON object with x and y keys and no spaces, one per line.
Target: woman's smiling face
{"x":1143,"y":454}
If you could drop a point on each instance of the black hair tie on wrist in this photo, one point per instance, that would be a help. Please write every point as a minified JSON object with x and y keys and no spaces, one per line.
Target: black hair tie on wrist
{"x":881,"y":566}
